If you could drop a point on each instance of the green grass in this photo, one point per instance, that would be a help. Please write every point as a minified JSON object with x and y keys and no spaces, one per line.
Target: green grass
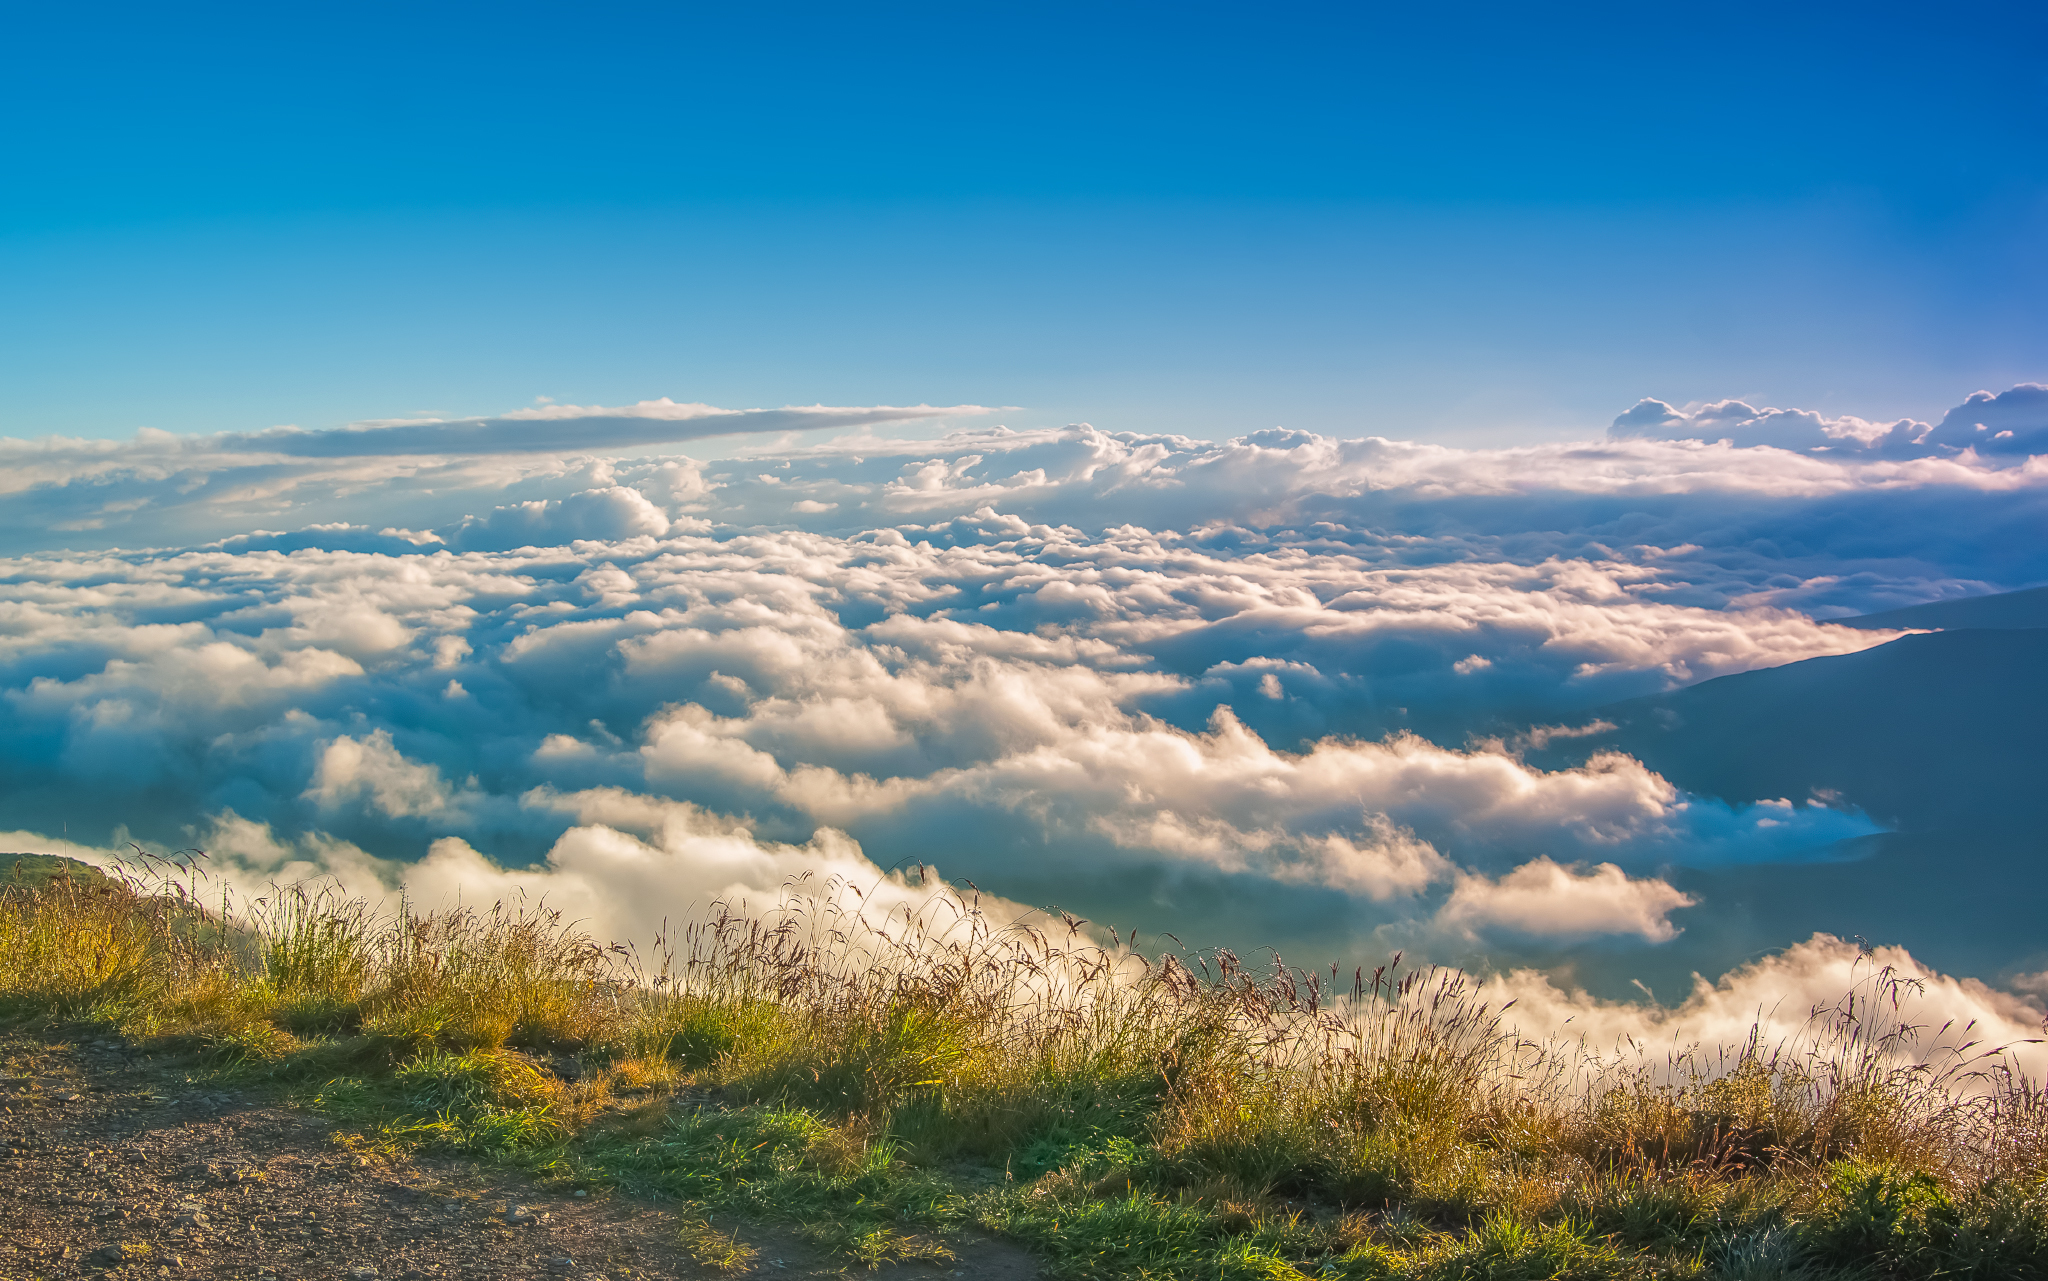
{"x":884,"y":1088}
{"x":33,"y":871}
{"x":712,"y":1248}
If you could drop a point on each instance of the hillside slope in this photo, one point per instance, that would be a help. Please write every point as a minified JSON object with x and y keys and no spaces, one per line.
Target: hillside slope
{"x":1929,"y":731}
{"x":1941,"y":736}
{"x":2005,"y":610}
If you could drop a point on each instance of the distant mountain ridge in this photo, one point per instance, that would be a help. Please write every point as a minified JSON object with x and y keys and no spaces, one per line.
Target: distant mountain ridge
{"x":1942,"y":736}
{"x":2004,"y":611}
{"x":1927,"y":731}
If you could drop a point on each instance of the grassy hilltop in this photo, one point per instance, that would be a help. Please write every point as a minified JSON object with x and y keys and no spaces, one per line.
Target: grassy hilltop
{"x":35,"y":871}
{"x":887,"y":1085}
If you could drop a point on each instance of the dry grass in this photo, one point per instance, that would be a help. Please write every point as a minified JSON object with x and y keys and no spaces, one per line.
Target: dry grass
{"x":715,"y":1249}
{"x":95,"y":948}
{"x":1273,"y":1118}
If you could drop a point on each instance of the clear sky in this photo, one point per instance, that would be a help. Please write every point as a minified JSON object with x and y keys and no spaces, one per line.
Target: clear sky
{"x":1473,"y":223}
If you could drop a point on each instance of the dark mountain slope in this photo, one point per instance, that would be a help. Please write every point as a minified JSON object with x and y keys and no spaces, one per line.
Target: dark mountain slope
{"x":2005,"y":610}
{"x":1929,"y":731}
{"x":1943,"y":736}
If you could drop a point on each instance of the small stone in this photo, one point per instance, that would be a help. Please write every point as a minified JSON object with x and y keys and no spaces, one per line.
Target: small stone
{"x":581,"y":1192}
{"x":567,"y":1067}
{"x":362,"y":1272}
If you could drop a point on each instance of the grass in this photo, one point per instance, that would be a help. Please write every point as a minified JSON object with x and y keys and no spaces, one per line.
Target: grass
{"x":886,"y":1085}
{"x":32,"y":870}
{"x":711,"y":1248}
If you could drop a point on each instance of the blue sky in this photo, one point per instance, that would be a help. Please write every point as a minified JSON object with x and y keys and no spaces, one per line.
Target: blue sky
{"x":1476,"y":224}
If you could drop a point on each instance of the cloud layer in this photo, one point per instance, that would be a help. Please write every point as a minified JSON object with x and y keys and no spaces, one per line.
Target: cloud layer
{"x":1119,"y":671}
{"x":166,"y":487}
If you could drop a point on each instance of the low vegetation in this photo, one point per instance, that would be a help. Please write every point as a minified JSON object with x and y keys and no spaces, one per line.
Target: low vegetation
{"x":889,"y":1083}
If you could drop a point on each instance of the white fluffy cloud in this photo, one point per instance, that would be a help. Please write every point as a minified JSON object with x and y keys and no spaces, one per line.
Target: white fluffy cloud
{"x":1543,"y":900}
{"x":373,"y":771}
{"x":1776,"y":999}
{"x":2002,"y":428}
{"x":610,"y":514}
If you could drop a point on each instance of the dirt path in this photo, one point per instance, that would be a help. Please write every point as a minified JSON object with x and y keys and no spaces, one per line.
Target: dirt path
{"x":111,"y":1163}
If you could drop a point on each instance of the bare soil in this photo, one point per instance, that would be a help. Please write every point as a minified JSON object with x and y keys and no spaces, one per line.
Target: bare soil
{"x":115,"y":1164}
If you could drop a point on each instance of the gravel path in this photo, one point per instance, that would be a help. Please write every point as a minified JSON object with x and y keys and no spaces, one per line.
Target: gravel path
{"x":113,"y":1164}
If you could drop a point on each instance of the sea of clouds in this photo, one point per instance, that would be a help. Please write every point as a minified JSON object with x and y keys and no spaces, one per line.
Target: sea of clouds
{"x":1274,"y":690}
